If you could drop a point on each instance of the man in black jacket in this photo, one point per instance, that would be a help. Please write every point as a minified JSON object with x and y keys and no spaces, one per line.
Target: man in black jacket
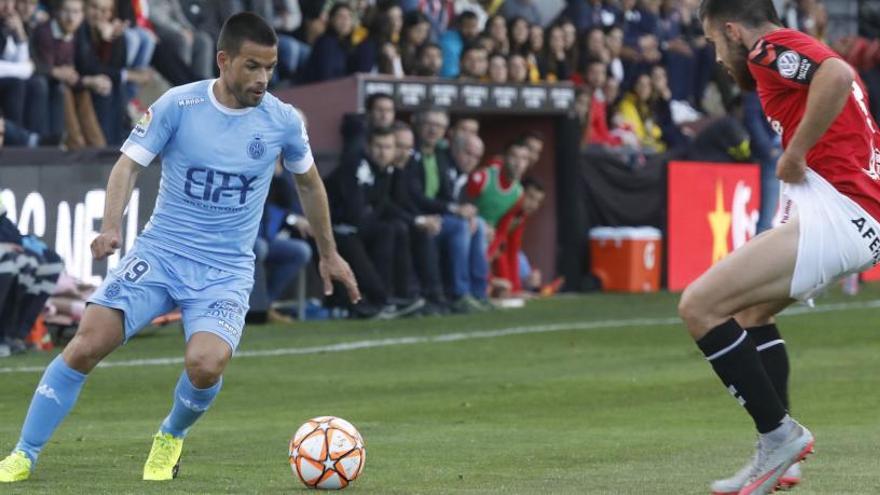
{"x":432,"y":193}
{"x":369,"y":230}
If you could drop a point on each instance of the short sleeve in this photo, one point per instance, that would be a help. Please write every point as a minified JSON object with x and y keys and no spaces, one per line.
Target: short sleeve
{"x":793,"y":58}
{"x":153,"y":131}
{"x":296,"y":151}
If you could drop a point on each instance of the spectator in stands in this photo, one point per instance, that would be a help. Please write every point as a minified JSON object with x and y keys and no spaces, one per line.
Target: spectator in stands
{"x":496,"y":28}
{"x":140,"y":41}
{"x":372,"y":54}
{"x":473,"y":6}
{"x":517,"y":69}
{"x":369,"y":235}
{"x":432,"y":193}
{"x":293,"y":53}
{"x":454,"y":41}
{"x":100,"y":59}
{"x":329,"y":57}
{"x":430,"y":61}
{"x":466,"y":151}
{"x":423,"y":227}
{"x":614,"y":44}
{"x":498,"y":69}
{"x":32,"y":14}
{"x":597,"y":131}
{"x":288,"y":16}
{"x":474,"y":64}
{"x":582,"y":103}
{"x":635,"y":115}
{"x":527,"y":9}
{"x":553,"y":62}
{"x":440,"y":14}
{"x":283,"y":256}
{"x":808,"y":16}
{"x":195,"y":47}
{"x":673,"y":135}
{"x":518,"y":32}
{"x":470,"y":153}
{"x":380,"y":113}
{"x":570,"y":36}
{"x":13,"y":135}
{"x":588,"y":14}
{"x":70,"y":103}
{"x":314,"y":24}
{"x":16,"y":67}
{"x":536,"y":39}
{"x":596,"y":47}
{"x":505,"y":251}
{"x":416,"y":33}
{"x":26,"y":281}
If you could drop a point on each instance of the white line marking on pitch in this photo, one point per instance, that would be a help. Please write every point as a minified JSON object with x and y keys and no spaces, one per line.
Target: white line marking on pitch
{"x":447,"y":337}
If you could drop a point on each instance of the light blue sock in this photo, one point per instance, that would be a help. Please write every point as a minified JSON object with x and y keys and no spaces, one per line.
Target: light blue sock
{"x":189,"y":405}
{"x":54,"y":398}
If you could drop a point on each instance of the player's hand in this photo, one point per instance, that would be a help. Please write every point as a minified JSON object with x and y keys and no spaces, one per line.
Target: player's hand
{"x":333,"y":267}
{"x":105,"y":244}
{"x":304,"y":227}
{"x":791,"y":167}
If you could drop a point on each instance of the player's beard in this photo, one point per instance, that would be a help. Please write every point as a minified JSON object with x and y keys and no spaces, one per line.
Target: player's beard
{"x":739,"y":66}
{"x":246,"y":97}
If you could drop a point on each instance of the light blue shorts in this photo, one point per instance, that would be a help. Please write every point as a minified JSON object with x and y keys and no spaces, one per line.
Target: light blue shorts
{"x":150,"y":282}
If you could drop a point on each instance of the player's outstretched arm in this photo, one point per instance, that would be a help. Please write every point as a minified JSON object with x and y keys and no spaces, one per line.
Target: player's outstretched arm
{"x":313,"y":197}
{"x":829,"y":91}
{"x":119,"y":187}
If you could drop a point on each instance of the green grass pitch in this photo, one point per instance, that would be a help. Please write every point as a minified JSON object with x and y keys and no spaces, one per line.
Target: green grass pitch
{"x":598,"y":394}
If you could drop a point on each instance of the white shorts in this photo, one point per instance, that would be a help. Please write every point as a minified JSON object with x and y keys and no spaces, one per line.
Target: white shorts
{"x":837,"y":236}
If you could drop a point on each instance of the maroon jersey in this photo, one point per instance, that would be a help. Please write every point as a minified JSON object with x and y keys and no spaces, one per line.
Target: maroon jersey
{"x":848,"y":154}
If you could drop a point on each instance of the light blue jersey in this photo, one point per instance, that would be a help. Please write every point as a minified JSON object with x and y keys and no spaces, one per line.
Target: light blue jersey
{"x":217,"y":164}
{"x":196,"y":252}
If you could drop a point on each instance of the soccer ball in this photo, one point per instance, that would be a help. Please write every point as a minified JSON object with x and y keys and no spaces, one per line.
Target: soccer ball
{"x":327,"y":453}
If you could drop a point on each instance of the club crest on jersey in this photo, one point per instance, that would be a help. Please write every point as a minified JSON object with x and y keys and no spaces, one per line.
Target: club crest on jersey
{"x":788,"y":64}
{"x":256,"y":147}
{"x":140,"y":129}
{"x":112,"y":291}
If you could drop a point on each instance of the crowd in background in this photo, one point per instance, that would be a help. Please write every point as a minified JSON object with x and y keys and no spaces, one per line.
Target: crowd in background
{"x":430,"y":220}
{"x":71,"y":71}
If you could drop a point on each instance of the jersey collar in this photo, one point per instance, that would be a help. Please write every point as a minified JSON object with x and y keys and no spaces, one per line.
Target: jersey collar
{"x":223,"y":108}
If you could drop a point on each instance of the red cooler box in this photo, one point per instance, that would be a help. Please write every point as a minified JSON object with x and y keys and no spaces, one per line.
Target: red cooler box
{"x":626,"y":259}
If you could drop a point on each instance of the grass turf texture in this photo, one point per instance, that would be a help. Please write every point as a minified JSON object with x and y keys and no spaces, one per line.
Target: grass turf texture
{"x":627,"y":410}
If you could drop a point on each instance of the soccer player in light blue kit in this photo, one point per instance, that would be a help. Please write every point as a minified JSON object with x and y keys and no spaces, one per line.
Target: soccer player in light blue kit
{"x":219,"y":141}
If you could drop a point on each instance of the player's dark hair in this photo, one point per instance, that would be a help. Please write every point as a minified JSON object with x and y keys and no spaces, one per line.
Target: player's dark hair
{"x":532,"y":135}
{"x":425,"y":47}
{"x":419,"y":117}
{"x":378,"y":132}
{"x":373,"y":98}
{"x":399,"y":125}
{"x":752,"y":13}
{"x":467,"y":15}
{"x":516,"y":143}
{"x":532,"y":183}
{"x":245,"y":26}
{"x":469,"y":48}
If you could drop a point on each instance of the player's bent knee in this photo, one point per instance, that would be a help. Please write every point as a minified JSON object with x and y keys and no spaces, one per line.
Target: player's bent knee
{"x":205,"y":363}
{"x":695,"y":312}
{"x":99,"y":333}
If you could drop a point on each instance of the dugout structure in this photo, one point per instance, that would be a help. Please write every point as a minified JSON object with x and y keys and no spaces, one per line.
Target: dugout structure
{"x":505,"y":111}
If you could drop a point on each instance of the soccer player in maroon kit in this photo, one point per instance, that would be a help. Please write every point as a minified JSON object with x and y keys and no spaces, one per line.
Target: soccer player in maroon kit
{"x":831,"y":193}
